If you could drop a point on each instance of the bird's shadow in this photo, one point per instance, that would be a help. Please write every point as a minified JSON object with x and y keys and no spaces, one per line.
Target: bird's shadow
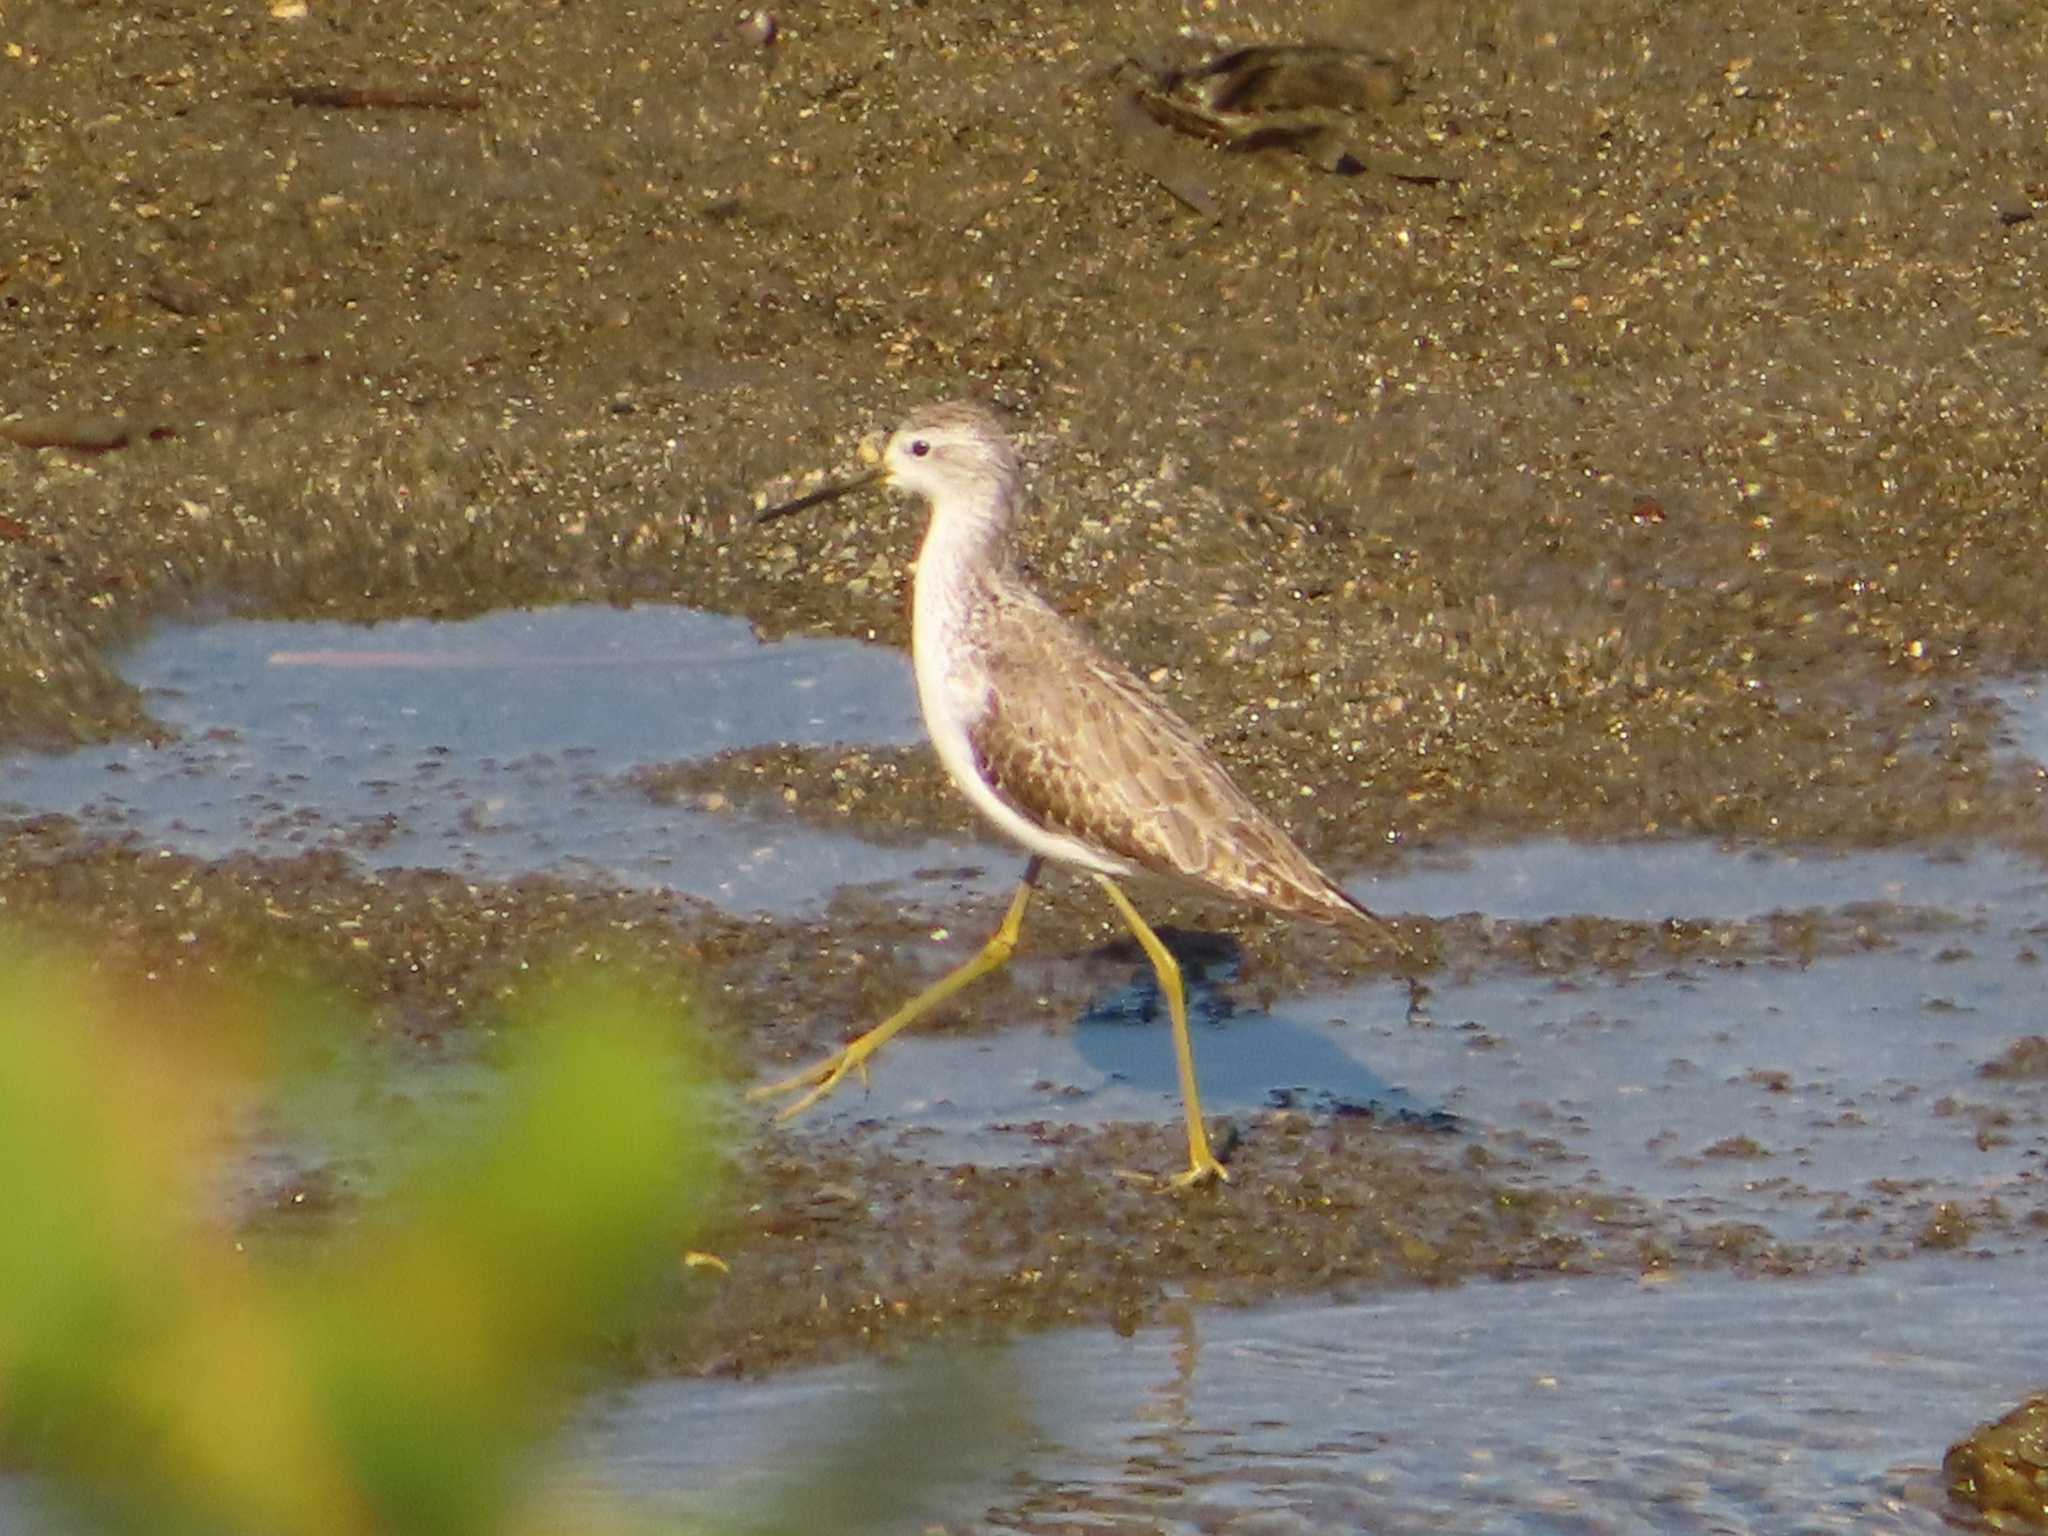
{"x":1246,"y":1059}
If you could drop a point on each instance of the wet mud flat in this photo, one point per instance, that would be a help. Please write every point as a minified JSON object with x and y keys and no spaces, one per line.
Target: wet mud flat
{"x":1579,"y":1150}
{"x":1485,"y":1113}
{"x":1638,"y":439}
{"x":1621,"y":478}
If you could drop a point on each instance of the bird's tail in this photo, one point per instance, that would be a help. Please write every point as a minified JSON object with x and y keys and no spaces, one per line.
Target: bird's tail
{"x":1349,"y":912}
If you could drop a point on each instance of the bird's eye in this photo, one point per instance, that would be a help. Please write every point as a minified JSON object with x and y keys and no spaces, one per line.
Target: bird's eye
{"x":919,"y":447}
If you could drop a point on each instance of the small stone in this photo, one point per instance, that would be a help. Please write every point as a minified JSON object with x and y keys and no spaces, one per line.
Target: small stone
{"x":758,"y":28}
{"x":1947,"y":1227}
{"x":78,"y":432}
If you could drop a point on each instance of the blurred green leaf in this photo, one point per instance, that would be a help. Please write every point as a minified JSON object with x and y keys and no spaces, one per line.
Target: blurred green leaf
{"x":400,"y":1379}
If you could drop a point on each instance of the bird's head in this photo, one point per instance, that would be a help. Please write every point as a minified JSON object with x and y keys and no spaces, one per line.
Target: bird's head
{"x":952,"y":454}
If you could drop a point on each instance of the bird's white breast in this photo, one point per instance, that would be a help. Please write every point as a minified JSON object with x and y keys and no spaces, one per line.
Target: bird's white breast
{"x":955,"y":692}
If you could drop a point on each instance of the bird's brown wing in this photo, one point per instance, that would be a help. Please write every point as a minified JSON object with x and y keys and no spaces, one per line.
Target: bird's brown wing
{"x":1079,"y":744}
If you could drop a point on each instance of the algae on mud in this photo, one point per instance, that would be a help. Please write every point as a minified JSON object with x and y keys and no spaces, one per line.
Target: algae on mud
{"x":2001,"y":1469}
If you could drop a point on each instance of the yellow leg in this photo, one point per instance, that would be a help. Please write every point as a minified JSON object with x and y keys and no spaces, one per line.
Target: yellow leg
{"x":1202,"y":1164}
{"x":821,"y":1077}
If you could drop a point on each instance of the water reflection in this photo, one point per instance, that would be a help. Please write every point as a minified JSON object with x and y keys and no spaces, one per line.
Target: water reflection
{"x":1703,"y":1404}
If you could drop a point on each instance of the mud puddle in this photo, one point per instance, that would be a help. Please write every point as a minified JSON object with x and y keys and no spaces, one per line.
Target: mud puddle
{"x":1705,"y":1403}
{"x":490,"y":747}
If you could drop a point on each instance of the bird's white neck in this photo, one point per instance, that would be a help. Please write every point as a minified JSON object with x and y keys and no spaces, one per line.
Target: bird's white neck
{"x":968,"y":538}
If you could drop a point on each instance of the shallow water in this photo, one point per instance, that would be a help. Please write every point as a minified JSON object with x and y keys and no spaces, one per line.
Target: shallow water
{"x":1836,"y":1100}
{"x":1706,"y":1404}
{"x":1841,"y":1100}
{"x":490,"y":747}
{"x":1650,"y":882}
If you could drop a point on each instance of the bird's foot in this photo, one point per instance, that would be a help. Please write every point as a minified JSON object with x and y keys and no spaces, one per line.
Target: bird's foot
{"x":814,"y":1082}
{"x":1204,"y":1166}
{"x":1204,"y":1169}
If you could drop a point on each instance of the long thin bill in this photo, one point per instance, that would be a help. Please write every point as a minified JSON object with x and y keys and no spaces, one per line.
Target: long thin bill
{"x":823,"y":493}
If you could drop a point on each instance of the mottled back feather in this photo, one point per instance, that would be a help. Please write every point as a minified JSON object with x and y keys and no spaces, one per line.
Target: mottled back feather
{"x":1078,"y":744}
